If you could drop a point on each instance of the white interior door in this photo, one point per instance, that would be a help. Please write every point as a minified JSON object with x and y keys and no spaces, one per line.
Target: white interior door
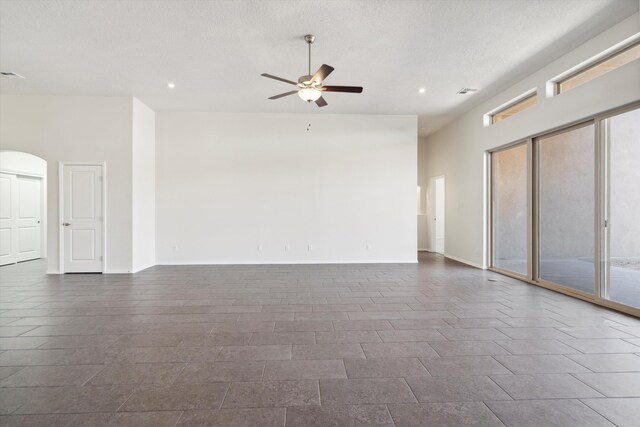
{"x":28,"y":218}
{"x":82,"y":218}
{"x":438,"y":215}
{"x":8,"y":238}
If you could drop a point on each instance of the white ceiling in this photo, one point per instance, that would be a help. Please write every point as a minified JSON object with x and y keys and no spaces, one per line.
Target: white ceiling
{"x":215,"y":51}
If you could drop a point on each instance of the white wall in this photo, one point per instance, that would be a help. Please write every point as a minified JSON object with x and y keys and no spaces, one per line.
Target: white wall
{"x":77,"y":129}
{"x":458,"y":150}
{"x":143,"y":187}
{"x":228,"y":183}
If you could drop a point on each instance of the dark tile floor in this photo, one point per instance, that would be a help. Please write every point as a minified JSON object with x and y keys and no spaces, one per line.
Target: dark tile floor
{"x":433,"y":344}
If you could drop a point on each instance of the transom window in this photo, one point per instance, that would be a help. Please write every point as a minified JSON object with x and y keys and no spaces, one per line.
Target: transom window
{"x":598,"y":67}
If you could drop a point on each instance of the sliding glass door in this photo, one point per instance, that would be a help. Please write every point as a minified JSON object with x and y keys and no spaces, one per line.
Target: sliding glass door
{"x":566,"y":208}
{"x":509,"y":209}
{"x":621,"y":273}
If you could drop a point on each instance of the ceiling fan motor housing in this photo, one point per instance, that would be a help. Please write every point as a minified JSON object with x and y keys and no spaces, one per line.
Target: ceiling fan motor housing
{"x":306,"y":80}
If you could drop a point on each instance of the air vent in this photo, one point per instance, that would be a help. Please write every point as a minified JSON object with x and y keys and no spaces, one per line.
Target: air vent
{"x":10,"y":75}
{"x":466,"y":90}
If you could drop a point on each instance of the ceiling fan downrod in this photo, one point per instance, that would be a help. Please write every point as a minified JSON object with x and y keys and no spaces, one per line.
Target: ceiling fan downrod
{"x":309,"y":38}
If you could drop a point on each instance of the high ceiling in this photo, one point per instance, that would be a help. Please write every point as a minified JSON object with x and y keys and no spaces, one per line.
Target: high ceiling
{"x":214,"y":51}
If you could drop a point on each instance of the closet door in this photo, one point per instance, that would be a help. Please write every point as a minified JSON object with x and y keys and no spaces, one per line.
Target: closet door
{"x":28,"y":218}
{"x":8,"y":235}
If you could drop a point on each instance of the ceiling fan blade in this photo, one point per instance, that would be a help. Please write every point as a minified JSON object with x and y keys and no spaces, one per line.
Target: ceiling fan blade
{"x":350,"y":89}
{"x":322,"y":73}
{"x":320,"y":102}
{"x":278,"y":78}
{"x":283,"y":94}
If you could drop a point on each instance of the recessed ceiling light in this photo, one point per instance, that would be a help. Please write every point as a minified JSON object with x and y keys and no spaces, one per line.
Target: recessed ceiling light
{"x":422,"y":90}
{"x":171,"y":85}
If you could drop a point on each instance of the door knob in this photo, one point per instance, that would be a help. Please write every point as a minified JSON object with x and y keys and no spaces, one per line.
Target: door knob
{"x":66,"y":224}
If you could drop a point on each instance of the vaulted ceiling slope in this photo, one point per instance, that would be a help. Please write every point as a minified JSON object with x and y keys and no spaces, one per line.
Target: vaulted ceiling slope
{"x":214,"y":51}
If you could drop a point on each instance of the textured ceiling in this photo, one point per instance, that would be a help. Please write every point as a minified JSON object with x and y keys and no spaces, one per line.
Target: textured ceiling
{"x":214,"y":51}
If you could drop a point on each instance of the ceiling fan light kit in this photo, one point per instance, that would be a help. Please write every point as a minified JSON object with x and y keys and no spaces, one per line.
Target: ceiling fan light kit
{"x":311,"y":87}
{"x":309,"y":94}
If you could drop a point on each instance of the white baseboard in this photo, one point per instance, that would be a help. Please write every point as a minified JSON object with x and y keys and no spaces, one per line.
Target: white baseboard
{"x":288,"y":262}
{"x":284,"y":262}
{"x":106,"y":272}
{"x":464,"y":261}
{"x":144,"y":267}
{"x":291,"y":262}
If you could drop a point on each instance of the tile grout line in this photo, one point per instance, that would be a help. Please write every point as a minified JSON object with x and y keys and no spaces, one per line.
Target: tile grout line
{"x":390,"y":416}
{"x":591,"y":387}
{"x":594,"y":410}
{"x":501,"y":388}
{"x":225,"y":395}
{"x":410,"y":389}
{"x":105,"y":366}
{"x":493,"y":357}
{"x":179,"y":418}
{"x":184,"y":366}
{"x":135,"y":389}
{"x":494,"y":414}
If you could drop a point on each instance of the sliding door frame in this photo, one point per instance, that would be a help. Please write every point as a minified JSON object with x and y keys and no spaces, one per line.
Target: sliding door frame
{"x":601,"y":210}
{"x":535,"y":219}
{"x":491,"y":226}
{"x":602,"y":286}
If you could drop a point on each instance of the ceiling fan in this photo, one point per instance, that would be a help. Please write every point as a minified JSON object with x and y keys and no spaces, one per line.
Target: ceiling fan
{"x":310,"y":86}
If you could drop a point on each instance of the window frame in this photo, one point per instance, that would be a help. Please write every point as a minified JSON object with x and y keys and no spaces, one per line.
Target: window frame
{"x":489,"y":118}
{"x":554,"y":84}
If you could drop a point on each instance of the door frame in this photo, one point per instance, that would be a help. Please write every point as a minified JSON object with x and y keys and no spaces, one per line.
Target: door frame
{"x":103,"y":166}
{"x":432,"y":211}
